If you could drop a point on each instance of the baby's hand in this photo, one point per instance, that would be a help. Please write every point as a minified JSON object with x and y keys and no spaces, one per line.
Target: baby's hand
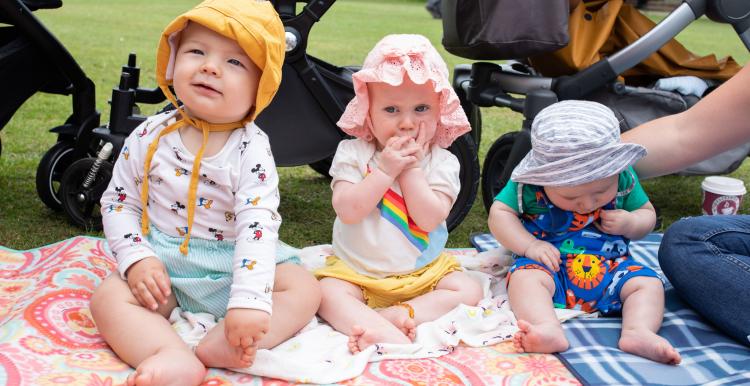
{"x":396,"y":156}
{"x":419,"y":147}
{"x":615,"y":222}
{"x":545,"y":253}
{"x":149,"y":282}
{"x":244,"y":327}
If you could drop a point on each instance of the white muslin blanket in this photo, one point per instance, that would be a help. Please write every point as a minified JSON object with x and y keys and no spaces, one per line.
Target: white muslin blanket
{"x":319,"y":354}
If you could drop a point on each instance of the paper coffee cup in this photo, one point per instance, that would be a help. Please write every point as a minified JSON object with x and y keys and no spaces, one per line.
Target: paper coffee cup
{"x":722,"y":195}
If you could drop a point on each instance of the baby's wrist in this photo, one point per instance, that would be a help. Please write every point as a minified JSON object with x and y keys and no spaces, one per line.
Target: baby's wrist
{"x":386,"y":172}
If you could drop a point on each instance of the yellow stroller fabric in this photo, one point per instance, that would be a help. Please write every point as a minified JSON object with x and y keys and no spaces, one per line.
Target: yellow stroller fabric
{"x":599,"y":28}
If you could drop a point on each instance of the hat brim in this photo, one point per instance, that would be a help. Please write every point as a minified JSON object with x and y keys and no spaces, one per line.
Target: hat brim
{"x":579,"y":169}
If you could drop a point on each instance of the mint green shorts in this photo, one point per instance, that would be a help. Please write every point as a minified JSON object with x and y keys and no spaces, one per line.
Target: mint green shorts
{"x":202,"y":279}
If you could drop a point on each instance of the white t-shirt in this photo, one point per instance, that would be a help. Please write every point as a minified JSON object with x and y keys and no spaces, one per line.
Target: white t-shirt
{"x":387,"y":242}
{"x":236,"y":200}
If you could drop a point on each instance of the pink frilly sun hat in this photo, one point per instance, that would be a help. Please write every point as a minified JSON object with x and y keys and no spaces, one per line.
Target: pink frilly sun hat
{"x":393,"y":57}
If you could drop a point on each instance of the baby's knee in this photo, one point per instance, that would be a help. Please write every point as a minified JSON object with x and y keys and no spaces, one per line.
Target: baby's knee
{"x":471,"y":291}
{"x":642,"y":283}
{"x":531,"y":276}
{"x":292,"y":277}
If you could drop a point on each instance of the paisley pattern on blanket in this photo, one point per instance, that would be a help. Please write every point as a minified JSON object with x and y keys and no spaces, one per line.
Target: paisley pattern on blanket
{"x":47,"y":335}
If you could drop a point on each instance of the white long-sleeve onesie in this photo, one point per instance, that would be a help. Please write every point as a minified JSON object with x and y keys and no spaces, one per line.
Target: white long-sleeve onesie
{"x":237,"y":200}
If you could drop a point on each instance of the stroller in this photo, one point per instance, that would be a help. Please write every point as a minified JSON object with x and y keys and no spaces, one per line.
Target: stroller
{"x":487,"y":84}
{"x":319,"y":92}
{"x":31,"y":60}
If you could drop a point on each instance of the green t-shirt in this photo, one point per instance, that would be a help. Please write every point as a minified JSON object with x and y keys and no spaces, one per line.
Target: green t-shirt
{"x":630,"y":201}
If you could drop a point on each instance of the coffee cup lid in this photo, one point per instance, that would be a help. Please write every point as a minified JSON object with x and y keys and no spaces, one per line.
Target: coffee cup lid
{"x":724,"y":185}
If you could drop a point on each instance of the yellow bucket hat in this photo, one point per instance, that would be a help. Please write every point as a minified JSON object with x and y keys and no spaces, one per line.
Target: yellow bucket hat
{"x":257,"y":29}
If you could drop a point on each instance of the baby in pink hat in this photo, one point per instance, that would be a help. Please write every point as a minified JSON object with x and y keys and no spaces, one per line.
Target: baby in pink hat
{"x":393,"y":187}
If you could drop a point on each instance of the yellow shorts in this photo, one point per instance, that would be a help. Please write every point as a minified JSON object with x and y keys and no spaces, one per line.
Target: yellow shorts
{"x":387,"y":291}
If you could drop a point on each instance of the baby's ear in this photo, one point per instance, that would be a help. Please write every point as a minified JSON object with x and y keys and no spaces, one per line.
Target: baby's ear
{"x":367,"y":124}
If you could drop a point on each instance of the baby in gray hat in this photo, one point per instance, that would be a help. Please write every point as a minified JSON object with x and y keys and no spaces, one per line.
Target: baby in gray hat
{"x":568,"y":214}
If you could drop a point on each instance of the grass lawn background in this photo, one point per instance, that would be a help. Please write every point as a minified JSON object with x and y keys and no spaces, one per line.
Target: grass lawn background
{"x":101,"y":33}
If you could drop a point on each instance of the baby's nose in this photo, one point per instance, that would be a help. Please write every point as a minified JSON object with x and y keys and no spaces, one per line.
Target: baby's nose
{"x":209,"y":68}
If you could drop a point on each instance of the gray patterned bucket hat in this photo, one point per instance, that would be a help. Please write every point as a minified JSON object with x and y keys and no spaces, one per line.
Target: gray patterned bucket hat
{"x":574,"y":143}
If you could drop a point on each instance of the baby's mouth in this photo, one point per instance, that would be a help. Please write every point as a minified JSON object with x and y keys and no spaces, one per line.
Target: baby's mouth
{"x":206,"y":87}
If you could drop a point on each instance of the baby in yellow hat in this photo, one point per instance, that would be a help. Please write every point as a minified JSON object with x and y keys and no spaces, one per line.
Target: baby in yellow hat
{"x":190,"y":213}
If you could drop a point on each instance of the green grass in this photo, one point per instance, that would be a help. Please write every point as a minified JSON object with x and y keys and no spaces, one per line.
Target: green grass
{"x":100,"y":34}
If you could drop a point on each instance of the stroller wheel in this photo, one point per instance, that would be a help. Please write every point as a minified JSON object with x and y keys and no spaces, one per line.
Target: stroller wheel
{"x":50,"y":172}
{"x":81,"y":203}
{"x":323,"y":166}
{"x":466,"y":152}
{"x":494,"y":164}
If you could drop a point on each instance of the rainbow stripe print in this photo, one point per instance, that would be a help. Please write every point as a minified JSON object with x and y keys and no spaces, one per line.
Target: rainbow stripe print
{"x":393,"y":208}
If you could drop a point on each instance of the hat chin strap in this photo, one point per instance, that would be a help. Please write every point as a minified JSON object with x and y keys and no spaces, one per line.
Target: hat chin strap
{"x":205,"y":128}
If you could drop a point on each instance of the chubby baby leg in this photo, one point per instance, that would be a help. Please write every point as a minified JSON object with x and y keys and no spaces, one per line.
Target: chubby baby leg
{"x":296,"y":297}
{"x":642,"y":313}
{"x":453,"y":289}
{"x":142,"y":338}
{"x":530,"y":292}
{"x":343,"y":307}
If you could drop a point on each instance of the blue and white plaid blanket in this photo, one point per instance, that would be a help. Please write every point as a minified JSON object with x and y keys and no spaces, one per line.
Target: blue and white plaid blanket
{"x":708,"y":356}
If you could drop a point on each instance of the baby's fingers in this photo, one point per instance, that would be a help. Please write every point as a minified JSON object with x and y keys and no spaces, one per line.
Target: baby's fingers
{"x":246,"y":341}
{"x":162,"y":280}
{"x":550,"y":263}
{"x":399,"y":142}
{"x":155,"y":290}
{"x":421,"y":134}
{"x":147,"y":299}
{"x":233,"y":337}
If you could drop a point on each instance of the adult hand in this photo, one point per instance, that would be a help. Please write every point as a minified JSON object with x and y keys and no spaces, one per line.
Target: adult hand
{"x":149,"y":282}
{"x":615,"y":222}
{"x":244,"y":327}
{"x":545,"y":253}
{"x":396,"y":156}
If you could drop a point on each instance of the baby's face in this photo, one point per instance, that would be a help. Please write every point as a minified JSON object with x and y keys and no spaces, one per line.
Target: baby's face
{"x":584,"y":198}
{"x":213,"y":77}
{"x":398,"y":111}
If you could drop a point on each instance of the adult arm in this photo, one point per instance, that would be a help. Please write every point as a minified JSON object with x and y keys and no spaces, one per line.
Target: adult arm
{"x":719,"y":122}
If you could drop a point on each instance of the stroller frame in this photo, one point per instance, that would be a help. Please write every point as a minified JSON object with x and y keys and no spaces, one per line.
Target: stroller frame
{"x":488,"y":84}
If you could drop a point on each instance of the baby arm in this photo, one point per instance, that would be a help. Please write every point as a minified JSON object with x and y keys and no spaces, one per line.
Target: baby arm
{"x":256,"y":227}
{"x":633,"y":225}
{"x":428,"y":208}
{"x":508,"y":230}
{"x":354,"y":200}
{"x":121,"y":210}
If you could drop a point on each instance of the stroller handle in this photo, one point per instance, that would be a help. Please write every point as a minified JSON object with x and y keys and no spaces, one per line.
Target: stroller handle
{"x":607,"y":70}
{"x":672,"y":25}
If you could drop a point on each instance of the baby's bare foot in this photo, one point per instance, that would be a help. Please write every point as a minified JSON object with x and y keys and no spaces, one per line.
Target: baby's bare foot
{"x":647,"y":344}
{"x":361,"y":338}
{"x":215,"y":351}
{"x":544,"y":338}
{"x":353,"y":343}
{"x":399,"y":317}
{"x":168,"y":367}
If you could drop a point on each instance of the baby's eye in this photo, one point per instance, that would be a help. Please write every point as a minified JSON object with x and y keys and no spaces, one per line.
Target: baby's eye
{"x":235,"y":62}
{"x":390,"y":109}
{"x":422,"y":108}
{"x":195,"y":51}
